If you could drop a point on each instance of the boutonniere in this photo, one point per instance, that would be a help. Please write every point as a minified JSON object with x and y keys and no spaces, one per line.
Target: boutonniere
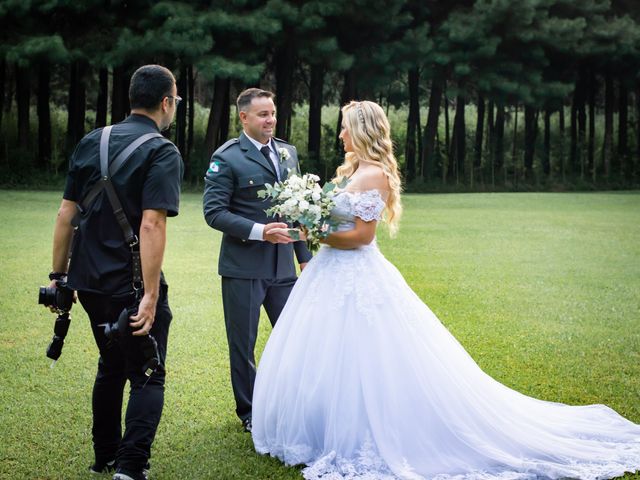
{"x":283,"y":154}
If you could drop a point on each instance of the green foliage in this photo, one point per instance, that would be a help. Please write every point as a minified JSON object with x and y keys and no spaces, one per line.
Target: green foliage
{"x":541,"y":289}
{"x":530,"y":52}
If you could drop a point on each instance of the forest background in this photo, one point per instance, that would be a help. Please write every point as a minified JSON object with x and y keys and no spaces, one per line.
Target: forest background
{"x":482,"y":95}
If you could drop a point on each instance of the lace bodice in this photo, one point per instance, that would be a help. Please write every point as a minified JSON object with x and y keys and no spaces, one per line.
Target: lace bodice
{"x":367,"y":205}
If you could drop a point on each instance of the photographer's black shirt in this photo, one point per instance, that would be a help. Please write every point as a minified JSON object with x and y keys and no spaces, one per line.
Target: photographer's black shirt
{"x":149,"y":179}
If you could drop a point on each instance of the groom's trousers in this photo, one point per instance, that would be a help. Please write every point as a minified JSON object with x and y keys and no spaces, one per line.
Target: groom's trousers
{"x":120,"y":361}
{"x":241,"y":300}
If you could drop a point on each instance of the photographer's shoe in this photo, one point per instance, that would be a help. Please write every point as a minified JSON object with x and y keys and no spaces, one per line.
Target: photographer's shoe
{"x":99,"y":467}
{"x":124,"y":475}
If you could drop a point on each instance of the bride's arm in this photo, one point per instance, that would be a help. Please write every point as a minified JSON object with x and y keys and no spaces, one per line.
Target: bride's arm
{"x":364,"y":231}
{"x":362,"y":234}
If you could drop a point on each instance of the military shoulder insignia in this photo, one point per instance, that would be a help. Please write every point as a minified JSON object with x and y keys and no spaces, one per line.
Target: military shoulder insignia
{"x":214,"y":167}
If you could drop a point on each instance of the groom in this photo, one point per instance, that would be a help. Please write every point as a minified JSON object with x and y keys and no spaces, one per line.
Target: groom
{"x":256,"y":254}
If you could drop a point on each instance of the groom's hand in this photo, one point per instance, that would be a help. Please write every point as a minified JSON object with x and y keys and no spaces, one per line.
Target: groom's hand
{"x":276,"y":232}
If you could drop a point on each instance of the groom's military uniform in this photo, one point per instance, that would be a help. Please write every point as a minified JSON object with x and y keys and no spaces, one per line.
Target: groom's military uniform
{"x":254,"y":272}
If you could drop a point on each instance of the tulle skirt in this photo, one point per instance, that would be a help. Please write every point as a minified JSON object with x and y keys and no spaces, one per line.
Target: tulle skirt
{"x":360,"y":380}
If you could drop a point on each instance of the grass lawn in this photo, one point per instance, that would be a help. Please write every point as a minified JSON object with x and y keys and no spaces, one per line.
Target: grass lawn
{"x":542,"y":289}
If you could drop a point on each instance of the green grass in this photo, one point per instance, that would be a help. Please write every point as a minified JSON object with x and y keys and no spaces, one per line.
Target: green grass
{"x":542,"y":289}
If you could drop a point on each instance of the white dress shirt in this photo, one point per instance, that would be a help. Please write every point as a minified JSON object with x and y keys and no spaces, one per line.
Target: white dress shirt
{"x":257,"y":231}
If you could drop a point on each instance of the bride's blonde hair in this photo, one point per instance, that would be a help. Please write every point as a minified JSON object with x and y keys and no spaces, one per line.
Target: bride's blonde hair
{"x":370,"y":135}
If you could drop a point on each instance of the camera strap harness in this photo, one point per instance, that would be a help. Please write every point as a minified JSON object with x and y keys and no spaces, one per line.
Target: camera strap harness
{"x":107,"y":170}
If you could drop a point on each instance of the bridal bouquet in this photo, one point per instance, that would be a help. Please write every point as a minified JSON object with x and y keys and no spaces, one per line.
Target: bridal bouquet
{"x":303,"y":201}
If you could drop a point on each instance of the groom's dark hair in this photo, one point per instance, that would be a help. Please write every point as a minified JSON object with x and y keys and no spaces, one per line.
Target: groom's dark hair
{"x":246,"y":96}
{"x":149,"y":85}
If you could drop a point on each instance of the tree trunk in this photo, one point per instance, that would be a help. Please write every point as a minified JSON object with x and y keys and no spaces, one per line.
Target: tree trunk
{"x":348,"y":93}
{"x":103,"y":98}
{"x":582,"y":121}
{"x":285,"y":60}
{"x":477,"y":159}
{"x":498,"y":142}
{"x":23,"y":99}
{"x":561,"y":127}
{"x":514,"y":144}
{"x":573,"y":148}
{"x":447,"y":129}
{"x":447,"y":136}
{"x":591,"y":136}
{"x":623,"y":126}
{"x":636,"y":168}
{"x":191,"y":120}
{"x":217,"y":113}
{"x":578,"y":124}
{"x":120,"y":88}
{"x":3,"y":69}
{"x":223,"y":134}
{"x":546,"y":152}
{"x":607,"y":150}
{"x":530,"y":134}
{"x":413,"y":124}
{"x":429,"y":166}
{"x":489,"y":140}
{"x":76,"y":109}
{"x":459,"y":152}
{"x":44,"y":115}
{"x":181,"y":114}
{"x":315,"y":120}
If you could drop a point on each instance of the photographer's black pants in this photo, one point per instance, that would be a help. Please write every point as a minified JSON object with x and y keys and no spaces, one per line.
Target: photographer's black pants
{"x":121,"y":361}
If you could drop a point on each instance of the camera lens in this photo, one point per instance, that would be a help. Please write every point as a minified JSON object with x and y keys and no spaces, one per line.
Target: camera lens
{"x":46,"y":296}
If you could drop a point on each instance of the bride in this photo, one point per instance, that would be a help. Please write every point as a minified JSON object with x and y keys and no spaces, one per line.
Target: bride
{"x":360,"y":380}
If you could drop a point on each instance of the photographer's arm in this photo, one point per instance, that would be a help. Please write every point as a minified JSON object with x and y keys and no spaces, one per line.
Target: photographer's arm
{"x":153,"y":236}
{"x":62,"y":235}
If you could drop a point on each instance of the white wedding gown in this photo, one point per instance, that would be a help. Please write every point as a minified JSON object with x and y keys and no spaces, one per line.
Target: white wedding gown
{"x":360,"y":380}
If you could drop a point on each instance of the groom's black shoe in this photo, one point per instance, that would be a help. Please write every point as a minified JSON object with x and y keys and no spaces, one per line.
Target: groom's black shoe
{"x":246,"y":424}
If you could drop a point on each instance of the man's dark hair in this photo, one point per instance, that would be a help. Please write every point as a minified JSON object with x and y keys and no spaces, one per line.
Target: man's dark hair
{"x":245,"y":97}
{"x":149,"y":85}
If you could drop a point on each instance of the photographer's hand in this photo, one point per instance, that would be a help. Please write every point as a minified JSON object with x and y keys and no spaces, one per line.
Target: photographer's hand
{"x":142,"y":321}
{"x":152,"y":241}
{"x":53,"y":284}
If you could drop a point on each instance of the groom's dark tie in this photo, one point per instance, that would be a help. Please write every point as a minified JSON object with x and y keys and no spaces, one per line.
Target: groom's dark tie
{"x":266,"y":151}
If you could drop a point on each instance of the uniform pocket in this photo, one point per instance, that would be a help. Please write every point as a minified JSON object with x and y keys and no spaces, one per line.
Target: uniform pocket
{"x":251,"y":181}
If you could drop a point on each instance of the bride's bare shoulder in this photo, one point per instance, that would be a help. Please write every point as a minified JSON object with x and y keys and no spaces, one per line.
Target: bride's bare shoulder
{"x":370,"y":177}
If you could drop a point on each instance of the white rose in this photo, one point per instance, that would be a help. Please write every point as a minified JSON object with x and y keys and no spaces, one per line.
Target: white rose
{"x":315,"y":210}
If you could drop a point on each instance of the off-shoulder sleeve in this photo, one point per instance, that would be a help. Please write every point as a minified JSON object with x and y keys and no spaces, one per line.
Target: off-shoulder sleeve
{"x":368,"y":205}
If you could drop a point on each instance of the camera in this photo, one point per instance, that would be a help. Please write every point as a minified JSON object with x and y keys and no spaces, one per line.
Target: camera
{"x":148,"y":345}
{"x":60,"y":299}
{"x":117,"y":329}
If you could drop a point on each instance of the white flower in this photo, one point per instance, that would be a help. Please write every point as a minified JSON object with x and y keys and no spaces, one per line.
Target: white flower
{"x":301,"y":200}
{"x":284,"y":154}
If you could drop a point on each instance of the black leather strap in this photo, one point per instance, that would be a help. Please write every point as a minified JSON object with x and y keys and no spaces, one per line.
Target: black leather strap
{"x":107,"y":170}
{"x":126,"y":153}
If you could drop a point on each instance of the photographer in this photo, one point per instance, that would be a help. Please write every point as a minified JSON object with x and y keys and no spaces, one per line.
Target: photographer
{"x":102,"y":268}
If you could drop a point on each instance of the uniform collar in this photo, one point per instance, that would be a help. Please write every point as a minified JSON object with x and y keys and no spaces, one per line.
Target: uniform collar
{"x":137,"y":117}
{"x":259,"y":145}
